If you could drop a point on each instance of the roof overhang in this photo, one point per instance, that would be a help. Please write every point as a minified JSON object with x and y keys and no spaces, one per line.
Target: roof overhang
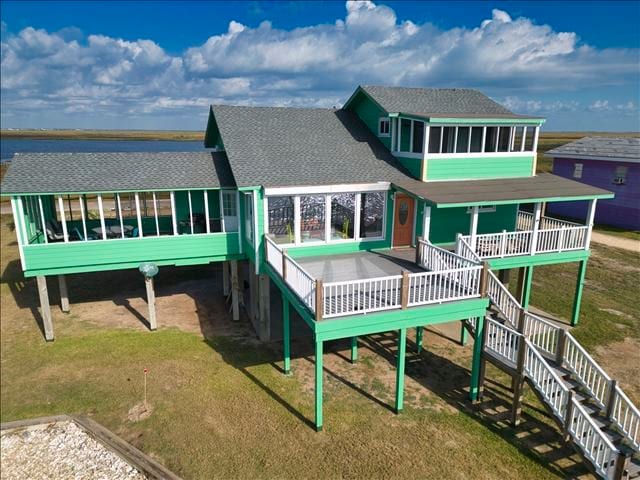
{"x":544,"y":187}
{"x":470,"y":119}
{"x":597,"y":158}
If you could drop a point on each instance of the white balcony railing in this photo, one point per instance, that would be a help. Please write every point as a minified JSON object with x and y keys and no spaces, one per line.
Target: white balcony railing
{"x":553,"y":235}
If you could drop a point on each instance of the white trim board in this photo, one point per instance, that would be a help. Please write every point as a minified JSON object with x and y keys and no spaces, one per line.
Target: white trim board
{"x":341,"y":188}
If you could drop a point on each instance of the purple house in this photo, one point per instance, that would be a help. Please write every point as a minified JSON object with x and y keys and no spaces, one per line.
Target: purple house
{"x":605,"y":162}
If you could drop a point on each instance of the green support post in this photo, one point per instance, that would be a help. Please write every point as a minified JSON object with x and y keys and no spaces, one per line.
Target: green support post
{"x":476,"y":365}
{"x":463,"y":334}
{"x":582,"y":270}
{"x":354,"y":349}
{"x":318,"y":385}
{"x":286,"y":335}
{"x":526,"y":288}
{"x":419,"y":334}
{"x":402,"y":351}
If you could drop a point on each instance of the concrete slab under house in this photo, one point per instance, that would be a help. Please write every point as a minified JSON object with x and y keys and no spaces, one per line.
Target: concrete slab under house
{"x":401,"y":210}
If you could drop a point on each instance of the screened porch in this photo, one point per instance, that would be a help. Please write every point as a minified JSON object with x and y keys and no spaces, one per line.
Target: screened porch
{"x":124,"y":215}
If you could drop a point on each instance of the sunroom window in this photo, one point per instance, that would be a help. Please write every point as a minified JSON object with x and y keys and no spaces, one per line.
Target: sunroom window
{"x":372,"y":214}
{"x":281,"y":219}
{"x":312,"y":218}
{"x":343,"y":214}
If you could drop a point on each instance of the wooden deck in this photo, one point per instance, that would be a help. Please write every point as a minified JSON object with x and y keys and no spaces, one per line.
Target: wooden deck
{"x":361,"y":265}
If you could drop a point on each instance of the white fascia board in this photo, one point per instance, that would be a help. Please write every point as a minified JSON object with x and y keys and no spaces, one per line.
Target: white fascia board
{"x":342,"y":188}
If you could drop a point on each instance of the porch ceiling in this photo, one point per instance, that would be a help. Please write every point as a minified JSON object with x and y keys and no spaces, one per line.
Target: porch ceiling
{"x":45,"y":173}
{"x":544,"y":187}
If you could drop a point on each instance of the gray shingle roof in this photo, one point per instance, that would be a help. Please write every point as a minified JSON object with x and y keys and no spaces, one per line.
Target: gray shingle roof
{"x":601,"y":147}
{"x":278,"y":147}
{"x":455,"y":102}
{"x":109,"y":172}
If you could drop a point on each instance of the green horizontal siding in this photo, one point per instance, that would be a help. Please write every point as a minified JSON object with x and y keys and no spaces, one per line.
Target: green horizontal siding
{"x":370,"y":114}
{"x":102,"y":255}
{"x":477,"y":168}
{"x":446,"y":223}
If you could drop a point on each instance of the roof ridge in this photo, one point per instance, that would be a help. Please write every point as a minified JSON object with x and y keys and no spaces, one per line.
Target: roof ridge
{"x":421,"y":88}
{"x":279,"y":107}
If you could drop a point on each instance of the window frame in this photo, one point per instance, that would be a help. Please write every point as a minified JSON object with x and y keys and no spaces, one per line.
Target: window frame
{"x":327,"y":240}
{"x":529,"y":138}
{"x":578,"y":170}
{"x":382,"y":120}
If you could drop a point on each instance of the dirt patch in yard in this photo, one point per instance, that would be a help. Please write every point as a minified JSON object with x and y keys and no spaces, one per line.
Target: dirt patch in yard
{"x":621,"y":361}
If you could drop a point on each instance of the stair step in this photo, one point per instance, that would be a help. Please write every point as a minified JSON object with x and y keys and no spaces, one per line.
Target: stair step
{"x":633,"y":470}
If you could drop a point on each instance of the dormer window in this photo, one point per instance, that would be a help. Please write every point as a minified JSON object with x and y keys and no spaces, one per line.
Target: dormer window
{"x":384,"y":127}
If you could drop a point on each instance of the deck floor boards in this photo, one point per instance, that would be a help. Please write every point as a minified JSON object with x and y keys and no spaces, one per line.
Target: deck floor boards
{"x":360,"y":265}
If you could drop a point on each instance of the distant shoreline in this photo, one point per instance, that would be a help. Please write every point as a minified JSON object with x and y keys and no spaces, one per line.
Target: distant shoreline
{"x":150,"y":135}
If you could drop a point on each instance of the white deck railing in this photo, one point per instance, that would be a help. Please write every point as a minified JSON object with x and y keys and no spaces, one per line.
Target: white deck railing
{"x":300,"y":281}
{"x":542,"y":333}
{"x":553,"y":235}
{"x":436,"y":259}
{"x":626,"y":416}
{"x":586,"y":370}
{"x":464,"y":250}
{"x":362,"y":296}
{"x":502,"y":341}
{"x":593,"y":441}
{"x":444,"y":286}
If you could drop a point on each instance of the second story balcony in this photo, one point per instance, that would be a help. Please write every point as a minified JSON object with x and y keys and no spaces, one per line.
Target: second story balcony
{"x":552,"y":236}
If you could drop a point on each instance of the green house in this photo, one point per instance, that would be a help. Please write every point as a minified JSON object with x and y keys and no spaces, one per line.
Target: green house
{"x":400,"y":210}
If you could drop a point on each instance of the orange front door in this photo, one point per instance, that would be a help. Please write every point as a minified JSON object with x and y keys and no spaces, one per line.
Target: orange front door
{"x":403,"y":220}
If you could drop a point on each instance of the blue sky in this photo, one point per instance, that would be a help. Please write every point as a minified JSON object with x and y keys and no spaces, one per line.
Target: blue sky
{"x":159,"y":64}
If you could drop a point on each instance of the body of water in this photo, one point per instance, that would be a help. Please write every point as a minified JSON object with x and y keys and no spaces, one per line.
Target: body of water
{"x":9,"y":146}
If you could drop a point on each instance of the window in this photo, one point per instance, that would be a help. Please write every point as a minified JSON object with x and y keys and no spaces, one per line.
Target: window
{"x":491,"y":141}
{"x":483,"y":209}
{"x":280,"y":211}
{"x":405,"y":135}
{"x":343,"y":214}
{"x":435,"y":133}
{"x":448,"y":137}
{"x":372,"y":214}
{"x":418,"y":136}
{"x":528,"y":141}
{"x":476,"y":139}
{"x":312,"y":218}
{"x":620,"y":177}
{"x":462,"y":144}
{"x":248,"y":213}
{"x":577,"y":170}
{"x":504,"y":140}
{"x":384,"y":128}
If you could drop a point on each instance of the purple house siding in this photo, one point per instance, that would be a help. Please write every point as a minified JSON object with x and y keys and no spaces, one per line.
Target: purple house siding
{"x":621,"y":211}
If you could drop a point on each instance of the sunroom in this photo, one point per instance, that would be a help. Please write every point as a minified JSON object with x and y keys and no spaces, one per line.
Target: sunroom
{"x":90,"y":212}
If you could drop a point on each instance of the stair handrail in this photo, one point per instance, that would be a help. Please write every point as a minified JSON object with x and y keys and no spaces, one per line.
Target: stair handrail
{"x":501,"y":297}
{"x":509,"y":343}
{"x":542,"y":333}
{"x":626,"y":416}
{"x":546,"y":380}
{"x":464,"y":249}
{"x":587,"y":371}
{"x":593,"y":442}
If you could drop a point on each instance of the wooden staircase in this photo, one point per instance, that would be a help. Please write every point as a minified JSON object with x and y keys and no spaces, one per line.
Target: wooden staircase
{"x":590,"y":408}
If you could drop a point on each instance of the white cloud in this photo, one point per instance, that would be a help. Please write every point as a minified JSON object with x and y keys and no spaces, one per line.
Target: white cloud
{"x":511,"y":58}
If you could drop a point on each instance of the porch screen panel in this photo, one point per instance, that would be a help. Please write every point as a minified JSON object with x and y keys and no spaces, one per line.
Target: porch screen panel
{"x":248,"y":217}
{"x":476,"y":139}
{"x":372,"y":214}
{"x":516,"y":146}
{"x":434,"y":139}
{"x":448,"y":139}
{"x":163,"y":202}
{"x":504,"y":139}
{"x":229,"y":211}
{"x":418,"y":137}
{"x":312,"y":218}
{"x":343,"y":213}
{"x":281,"y":219}
{"x":405,"y":135}
{"x":197,"y":212}
{"x":463,"y":140}
{"x":491,"y":139}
